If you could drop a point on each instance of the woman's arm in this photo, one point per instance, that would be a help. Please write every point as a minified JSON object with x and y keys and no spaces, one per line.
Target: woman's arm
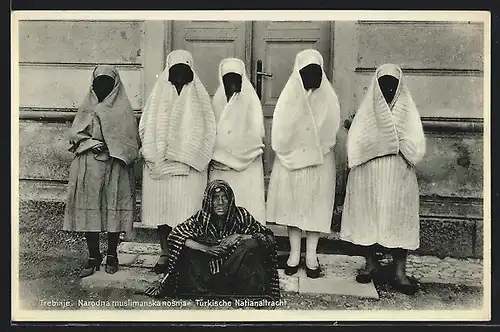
{"x":191,"y":244}
{"x":81,"y":138}
{"x":215,"y":251}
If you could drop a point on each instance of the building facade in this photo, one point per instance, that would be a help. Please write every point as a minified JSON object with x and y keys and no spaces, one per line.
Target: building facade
{"x":443,"y":63}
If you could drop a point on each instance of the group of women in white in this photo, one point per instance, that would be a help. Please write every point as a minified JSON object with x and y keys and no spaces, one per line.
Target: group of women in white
{"x":188,"y":140}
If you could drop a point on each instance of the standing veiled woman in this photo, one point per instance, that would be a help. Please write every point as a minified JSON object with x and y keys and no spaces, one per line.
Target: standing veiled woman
{"x":220,"y":251}
{"x":302,"y":186}
{"x":177,"y":130}
{"x":238,"y":150}
{"x":101,"y":188}
{"x":381,"y":206}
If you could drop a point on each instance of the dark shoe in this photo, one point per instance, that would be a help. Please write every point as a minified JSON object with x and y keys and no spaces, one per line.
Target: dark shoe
{"x":408,"y":289}
{"x":291,"y":270}
{"x":373,"y":273}
{"x":160,"y":268}
{"x":111,"y":264}
{"x":93,"y":264}
{"x":412,"y":280}
{"x":364,"y":276}
{"x":313,"y":274}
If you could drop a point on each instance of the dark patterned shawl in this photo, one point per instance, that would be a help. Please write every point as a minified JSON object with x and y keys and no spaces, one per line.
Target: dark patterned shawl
{"x":200,"y":228}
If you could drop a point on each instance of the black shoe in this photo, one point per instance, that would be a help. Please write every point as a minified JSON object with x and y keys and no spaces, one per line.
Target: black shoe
{"x":408,"y":289}
{"x":160,"y":268}
{"x":412,"y":280}
{"x":313,"y":274}
{"x":291,"y":270}
{"x":111,"y":264}
{"x":365,"y":277}
{"x":93,"y":264}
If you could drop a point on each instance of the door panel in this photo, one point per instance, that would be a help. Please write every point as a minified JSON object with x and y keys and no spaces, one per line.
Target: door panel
{"x":210,"y":42}
{"x":276,"y":44}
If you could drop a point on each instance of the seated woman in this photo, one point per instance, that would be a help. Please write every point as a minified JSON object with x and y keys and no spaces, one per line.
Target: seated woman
{"x":220,"y":251}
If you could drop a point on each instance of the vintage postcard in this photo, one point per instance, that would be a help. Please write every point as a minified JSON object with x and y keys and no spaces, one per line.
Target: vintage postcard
{"x":244,"y":166}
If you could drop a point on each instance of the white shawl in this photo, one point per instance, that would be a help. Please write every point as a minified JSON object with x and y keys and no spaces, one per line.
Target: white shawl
{"x":177,"y":131}
{"x":380,"y":129}
{"x":305,"y":123}
{"x":240,"y":122}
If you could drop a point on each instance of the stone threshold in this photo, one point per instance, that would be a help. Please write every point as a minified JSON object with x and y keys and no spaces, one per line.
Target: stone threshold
{"x":337,"y":275}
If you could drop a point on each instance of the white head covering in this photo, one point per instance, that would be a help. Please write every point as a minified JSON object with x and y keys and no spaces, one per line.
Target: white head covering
{"x":231,"y":65}
{"x":305,"y":123}
{"x":380,"y":129}
{"x":177,"y":131}
{"x":240,"y":127}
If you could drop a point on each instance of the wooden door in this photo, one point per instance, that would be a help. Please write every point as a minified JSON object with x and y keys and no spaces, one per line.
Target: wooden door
{"x":276,"y":44}
{"x":210,"y":42}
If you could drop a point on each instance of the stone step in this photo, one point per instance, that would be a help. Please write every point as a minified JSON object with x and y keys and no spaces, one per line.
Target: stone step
{"x":136,"y":279}
{"x":426,"y":269}
{"x":338,"y":273}
{"x":137,"y":259}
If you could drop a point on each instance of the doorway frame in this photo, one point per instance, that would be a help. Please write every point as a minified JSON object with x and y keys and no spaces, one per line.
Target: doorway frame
{"x":157,"y":43}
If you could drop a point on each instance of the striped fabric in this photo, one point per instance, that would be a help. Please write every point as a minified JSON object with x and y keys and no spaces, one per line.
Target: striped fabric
{"x":384,"y":142}
{"x":178,"y":135}
{"x":248,"y":187}
{"x":177,"y":131}
{"x":303,"y":198}
{"x":379,"y":129}
{"x":171,"y":200}
{"x":199,"y":227}
{"x":382,"y":204}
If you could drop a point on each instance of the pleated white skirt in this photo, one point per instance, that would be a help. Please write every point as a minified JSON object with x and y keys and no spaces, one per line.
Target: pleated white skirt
{"x":382,"y":204}
{"x":248,"y":187}
{"x":303,"y":198}
{"x":172,"y":200}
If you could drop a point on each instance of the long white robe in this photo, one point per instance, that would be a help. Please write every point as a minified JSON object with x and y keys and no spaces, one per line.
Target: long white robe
{"x":178,"y":136}
{"x":302,"y":185}
{"x":385,"y":142}
{"x":238,"y":148}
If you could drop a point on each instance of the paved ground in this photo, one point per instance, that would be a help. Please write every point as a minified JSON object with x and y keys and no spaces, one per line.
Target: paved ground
{"x":67,"y":288}
{"x":50,"y":261}
{"x":427,"y":269}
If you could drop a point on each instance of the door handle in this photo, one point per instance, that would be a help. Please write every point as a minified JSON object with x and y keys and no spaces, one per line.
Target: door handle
{"x":264,"y":74}
{"x":259,"y":74}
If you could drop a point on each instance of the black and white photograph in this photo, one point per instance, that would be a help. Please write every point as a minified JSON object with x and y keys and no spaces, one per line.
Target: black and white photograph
{"x":250,"y":166}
